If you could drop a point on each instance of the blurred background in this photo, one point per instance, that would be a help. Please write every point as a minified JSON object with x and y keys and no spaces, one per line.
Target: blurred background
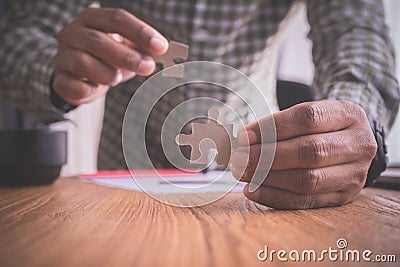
{"x":295,"y":64}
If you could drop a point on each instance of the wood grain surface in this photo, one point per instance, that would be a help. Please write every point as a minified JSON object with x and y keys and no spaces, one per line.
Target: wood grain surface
{"x":73,"y":223}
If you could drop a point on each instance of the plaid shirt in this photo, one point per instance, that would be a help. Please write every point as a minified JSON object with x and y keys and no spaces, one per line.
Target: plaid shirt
{"x":352,"y":53}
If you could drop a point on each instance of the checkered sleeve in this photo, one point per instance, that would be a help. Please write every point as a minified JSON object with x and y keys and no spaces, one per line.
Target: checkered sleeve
{"x":353,"y":56}
{"x":28,"y":46}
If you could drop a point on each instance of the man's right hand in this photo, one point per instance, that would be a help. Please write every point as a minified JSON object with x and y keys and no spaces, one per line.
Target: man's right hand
{"x":103,"y":47}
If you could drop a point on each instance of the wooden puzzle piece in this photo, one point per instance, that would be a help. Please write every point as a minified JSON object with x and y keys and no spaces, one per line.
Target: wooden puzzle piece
{"x":209,"y":135}
{"x":175,"y":50}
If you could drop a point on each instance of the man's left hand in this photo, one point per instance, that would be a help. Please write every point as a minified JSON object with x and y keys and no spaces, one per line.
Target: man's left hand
{"x":323,"y":152}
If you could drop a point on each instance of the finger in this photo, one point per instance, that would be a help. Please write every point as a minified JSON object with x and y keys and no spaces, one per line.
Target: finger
{"x":312,"y":181}
{"x":105,"y":48}
{"x":83,"y":65}
{"x":311,"y":151}
{"x":74,"y":90}
{"x":314,"y":151}
{"x":302,"y":119}
{"x":127,"y":75}
{"x":282,"y":199}
{"x":119,"y":21}
{"x":99,"y":91}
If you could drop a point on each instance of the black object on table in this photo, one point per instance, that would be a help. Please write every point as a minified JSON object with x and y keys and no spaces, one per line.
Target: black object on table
{"x":31,"y":157}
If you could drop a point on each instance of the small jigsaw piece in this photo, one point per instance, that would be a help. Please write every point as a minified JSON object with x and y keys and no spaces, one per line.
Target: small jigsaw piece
{"x":175,"y":50}
{"x":207,"y":136}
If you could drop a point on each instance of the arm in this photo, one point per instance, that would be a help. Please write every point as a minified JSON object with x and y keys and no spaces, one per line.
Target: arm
{"x":353,"y":56}
{"x":325,"y":148}
{"x":29,"y":44}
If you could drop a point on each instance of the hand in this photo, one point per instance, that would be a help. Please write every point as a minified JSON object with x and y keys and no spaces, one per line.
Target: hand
{"x":103,"y":47}
{"x":323,"y":153}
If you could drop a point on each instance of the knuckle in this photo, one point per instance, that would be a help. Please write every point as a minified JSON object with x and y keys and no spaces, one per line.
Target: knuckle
{"x":313,"y":151}
{"x":371,"y":150}
{"x":144,"y":32}
{"x":118,"y":16}
{"x":355,"y":110}
{"x":310,"y":181}
{"x":311,"y":115}
{"x":370,"y":147}
{"x":132,"y":59}
{"x":345,"y":103}
{"x":82,"y":63}
{"x":367,"y":145}
{"x":358,"y":110}
{"x":94,"y":40}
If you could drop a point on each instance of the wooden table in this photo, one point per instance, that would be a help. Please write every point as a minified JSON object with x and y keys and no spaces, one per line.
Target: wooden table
{"x":73,"y":223}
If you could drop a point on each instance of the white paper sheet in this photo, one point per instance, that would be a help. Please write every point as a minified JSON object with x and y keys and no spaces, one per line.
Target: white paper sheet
{"x":212,"y":181}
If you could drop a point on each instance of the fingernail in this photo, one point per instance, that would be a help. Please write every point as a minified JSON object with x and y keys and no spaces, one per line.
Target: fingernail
{"x":246,"y":137}
{"x":146,"y":66}
{"x":117,"y":79}
{"x":158,"y":44}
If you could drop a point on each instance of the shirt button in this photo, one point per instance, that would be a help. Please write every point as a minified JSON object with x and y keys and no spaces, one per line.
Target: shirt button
{"x":201,"y":35}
